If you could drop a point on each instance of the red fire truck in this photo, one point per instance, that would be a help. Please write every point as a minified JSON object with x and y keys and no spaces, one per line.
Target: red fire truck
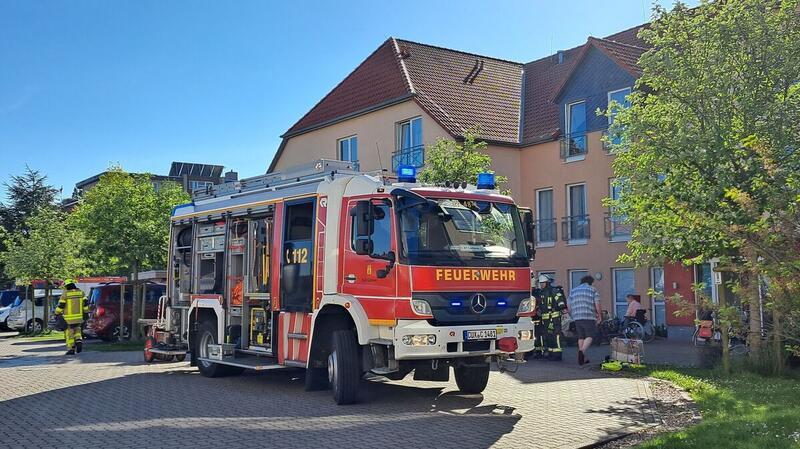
{"x":344,"y":273}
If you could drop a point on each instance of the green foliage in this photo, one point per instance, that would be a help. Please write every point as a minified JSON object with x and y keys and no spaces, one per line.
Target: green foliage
{"x":26,"y":193}
{"x":449,"y":160}
{"x":125,"y":221}
{"x":741,"y":411}
{"x":709,"y":146}
{"x":46,"y":250}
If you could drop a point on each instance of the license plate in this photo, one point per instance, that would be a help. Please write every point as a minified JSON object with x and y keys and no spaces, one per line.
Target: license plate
{"x":483,"y":334}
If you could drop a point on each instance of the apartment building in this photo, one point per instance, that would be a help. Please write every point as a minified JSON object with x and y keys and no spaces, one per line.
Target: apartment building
{"x":540,"y":122}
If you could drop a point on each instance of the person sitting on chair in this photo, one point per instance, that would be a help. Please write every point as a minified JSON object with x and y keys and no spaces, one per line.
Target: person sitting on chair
{"x":634,"y":308}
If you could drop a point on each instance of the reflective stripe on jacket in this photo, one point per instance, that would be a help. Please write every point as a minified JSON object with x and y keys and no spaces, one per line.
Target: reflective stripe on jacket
{"x":73,"y":305}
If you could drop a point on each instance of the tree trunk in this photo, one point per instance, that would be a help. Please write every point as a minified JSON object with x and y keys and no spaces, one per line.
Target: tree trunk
{"x":121,"y":311}
{"x":726,"y":340}
{"x":777,"y":342}
{"x":45,"y":306}
{"x":752,"y":294}
{"x":135,"y":306}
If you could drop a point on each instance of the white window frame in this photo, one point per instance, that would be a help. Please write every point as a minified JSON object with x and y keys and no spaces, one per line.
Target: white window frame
{"x":610,"y":118}
{"x":571,"y":271}
{"x":349,"y":151}
{"x":539,"y":217}
{"x":608,"y":99}
{"x":614,"y":288}
{"x":614,"y":238}
{"x":399,"y":132}
{"x":657,"y":299}
{"x":568,"y":126}
{"x":569,"y":210}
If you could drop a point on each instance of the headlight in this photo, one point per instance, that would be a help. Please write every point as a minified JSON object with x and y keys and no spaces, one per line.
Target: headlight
{"x":421,"y":307}
{"x":525,"y":335}
{"x":419,"y":340}
{"x":525,"y":306}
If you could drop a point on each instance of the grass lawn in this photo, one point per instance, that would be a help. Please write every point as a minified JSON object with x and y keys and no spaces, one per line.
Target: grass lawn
{"x":743,"y":411}
{"x":52,"y":335}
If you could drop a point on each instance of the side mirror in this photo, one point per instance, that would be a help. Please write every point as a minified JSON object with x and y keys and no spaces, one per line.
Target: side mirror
{"x":364,"y":223}
{"x":526,"y":215}
{"x":364,"y":220}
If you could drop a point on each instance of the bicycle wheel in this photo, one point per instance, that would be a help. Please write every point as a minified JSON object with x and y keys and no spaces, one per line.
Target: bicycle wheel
{"x":634,"y":330}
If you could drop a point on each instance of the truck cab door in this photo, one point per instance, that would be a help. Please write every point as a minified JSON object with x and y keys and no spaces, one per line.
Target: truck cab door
{"x":371,"y":277}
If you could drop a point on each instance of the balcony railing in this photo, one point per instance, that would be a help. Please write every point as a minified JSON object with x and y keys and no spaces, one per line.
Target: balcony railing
{"x":573,"y":145}
{"x":575,"y":227}
{"x":546,"y":231}
{"x":617,"y":227}
{"x":409,"y":156}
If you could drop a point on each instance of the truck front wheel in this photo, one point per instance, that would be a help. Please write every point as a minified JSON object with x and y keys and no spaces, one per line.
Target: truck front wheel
{"x":344,"y":367}
{"x":472,"y":378}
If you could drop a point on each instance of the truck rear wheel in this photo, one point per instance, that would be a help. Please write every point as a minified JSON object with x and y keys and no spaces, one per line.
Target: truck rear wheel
{"x":344,"y":368}
{"x":472,"y":379}
{"x":207,"y":335}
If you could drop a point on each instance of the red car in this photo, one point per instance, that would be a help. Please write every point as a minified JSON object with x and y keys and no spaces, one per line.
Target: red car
{"x":104,"y":305}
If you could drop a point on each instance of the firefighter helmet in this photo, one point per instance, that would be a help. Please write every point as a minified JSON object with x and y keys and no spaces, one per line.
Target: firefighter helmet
{"x":544,"y":278}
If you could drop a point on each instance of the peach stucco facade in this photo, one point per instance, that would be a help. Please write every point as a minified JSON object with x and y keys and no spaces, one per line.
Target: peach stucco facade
{"x":528,"y":169}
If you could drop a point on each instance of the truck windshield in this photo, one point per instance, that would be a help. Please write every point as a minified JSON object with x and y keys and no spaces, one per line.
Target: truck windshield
{"x":462,"y":233}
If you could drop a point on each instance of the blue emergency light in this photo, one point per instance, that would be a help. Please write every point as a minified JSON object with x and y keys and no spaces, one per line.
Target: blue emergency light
{"x":407,"y":173}
{"x":455,"y":303}
{"x":486,"y":181}
{"x":502,"y":303}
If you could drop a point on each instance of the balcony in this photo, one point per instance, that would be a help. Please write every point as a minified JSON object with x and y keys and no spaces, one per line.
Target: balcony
{"x":573,"y":147}
{"x":575,"y":229}
{"x":546,"y":232}
{"x":409,"y":156}
{"x":617,"y":229}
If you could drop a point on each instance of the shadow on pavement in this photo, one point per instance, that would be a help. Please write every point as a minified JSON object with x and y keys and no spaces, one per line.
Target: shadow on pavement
{"x":253,"y":410}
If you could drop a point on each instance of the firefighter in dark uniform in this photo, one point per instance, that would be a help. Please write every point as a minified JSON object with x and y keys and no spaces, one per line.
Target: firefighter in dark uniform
{"x":550,"y":305}
{"x":74,"y":309}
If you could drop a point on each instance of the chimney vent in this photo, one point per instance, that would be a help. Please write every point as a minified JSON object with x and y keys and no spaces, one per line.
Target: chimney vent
{"x":560,"y":56}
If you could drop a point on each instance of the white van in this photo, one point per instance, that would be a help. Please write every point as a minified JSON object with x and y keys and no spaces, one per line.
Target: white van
{"x":23,"y":316}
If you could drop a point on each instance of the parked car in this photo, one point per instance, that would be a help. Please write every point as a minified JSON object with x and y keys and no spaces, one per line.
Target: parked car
{"x":7,"y":298}
{"x":28,"y":315}
{"x":104,"y":306}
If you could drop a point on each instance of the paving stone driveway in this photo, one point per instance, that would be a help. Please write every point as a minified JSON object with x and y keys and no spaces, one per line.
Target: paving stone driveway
{"x":112,"y":399}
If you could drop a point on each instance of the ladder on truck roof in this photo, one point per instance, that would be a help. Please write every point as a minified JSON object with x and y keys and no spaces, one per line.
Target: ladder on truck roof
{"x":307,"y":173}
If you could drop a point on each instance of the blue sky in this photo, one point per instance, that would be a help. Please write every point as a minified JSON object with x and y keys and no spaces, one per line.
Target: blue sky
{"x":85,"y":84}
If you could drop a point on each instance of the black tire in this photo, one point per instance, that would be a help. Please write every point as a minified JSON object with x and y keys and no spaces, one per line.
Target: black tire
{"x":180,"y":358}
{"x":472,"y":379}
{"x":208,"y":335}
{"x":34,"y":326}
{"x":317,"y":379}
{"x":344,"y":367}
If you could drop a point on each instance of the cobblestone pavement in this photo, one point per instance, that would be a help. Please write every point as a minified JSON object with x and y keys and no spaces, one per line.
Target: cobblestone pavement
{"x":112,"y":399}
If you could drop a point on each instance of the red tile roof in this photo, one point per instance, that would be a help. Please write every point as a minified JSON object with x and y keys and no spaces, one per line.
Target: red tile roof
{"x":462,"y":90}
{"x":377,"y":80}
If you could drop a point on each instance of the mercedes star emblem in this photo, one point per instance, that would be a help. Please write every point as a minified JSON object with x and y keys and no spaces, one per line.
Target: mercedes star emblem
{"x":478,"y":303}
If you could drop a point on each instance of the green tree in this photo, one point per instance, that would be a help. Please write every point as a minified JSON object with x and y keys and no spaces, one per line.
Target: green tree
{"x":25,"y":194}
{"x":709,"y":143}
{"x":125,"y":224}
{"x":452,"y":161}
{"x":47,"y":250}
